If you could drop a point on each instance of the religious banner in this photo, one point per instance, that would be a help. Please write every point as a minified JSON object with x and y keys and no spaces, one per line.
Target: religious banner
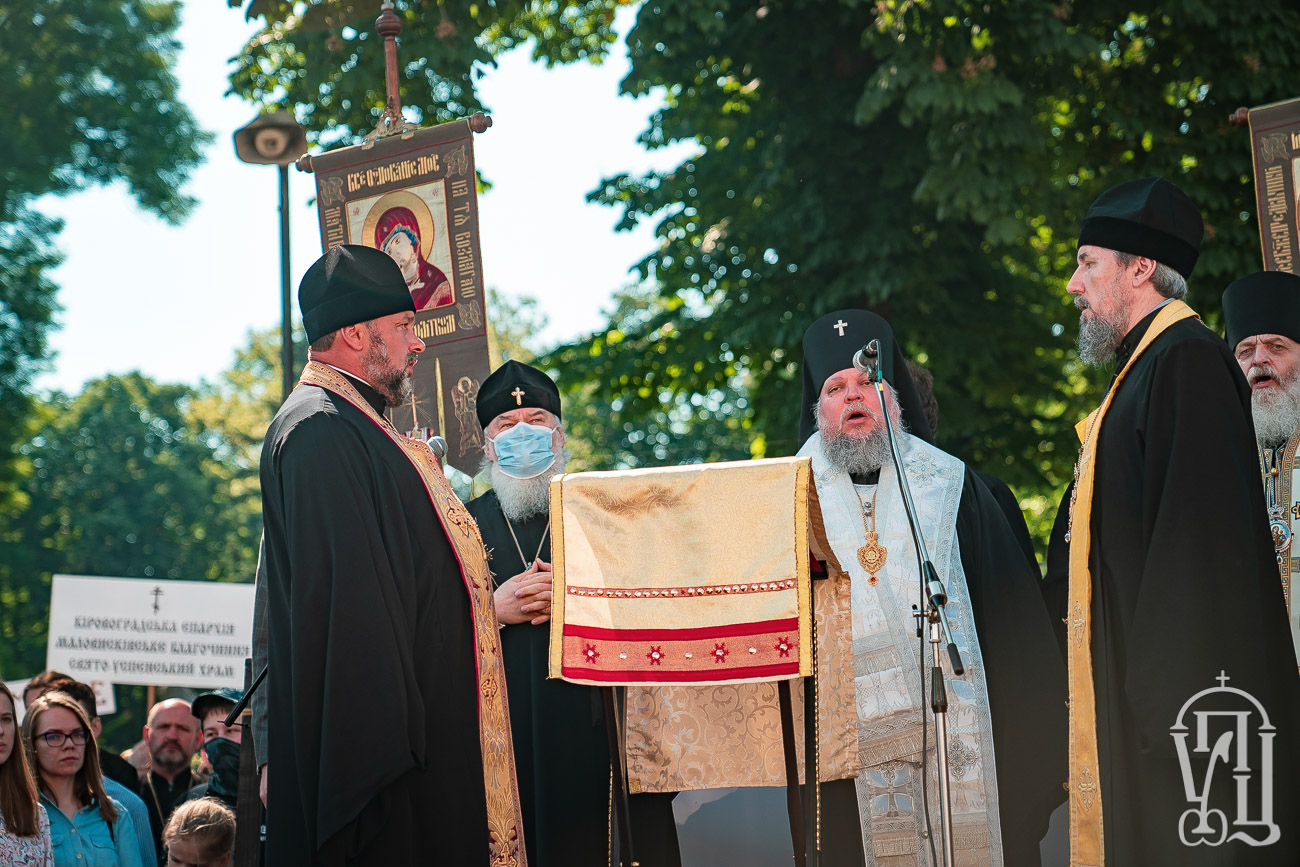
{"x":1275,"y":146}
{"x":414,"y":197}
{"x":165,"y":633}
{"x":682,"y":575}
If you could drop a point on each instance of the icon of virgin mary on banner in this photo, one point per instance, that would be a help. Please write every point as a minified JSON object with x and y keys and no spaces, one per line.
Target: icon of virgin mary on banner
{"x":402,"y":224}
{"x":414,"y":197}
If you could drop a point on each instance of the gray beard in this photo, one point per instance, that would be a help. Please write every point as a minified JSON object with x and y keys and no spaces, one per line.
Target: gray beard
{"x":521,"y":499}
{"x":1098,"y":340}
{"x":391,"y":382}
{"x":860,"y":455}
{"x":1277,"y":416}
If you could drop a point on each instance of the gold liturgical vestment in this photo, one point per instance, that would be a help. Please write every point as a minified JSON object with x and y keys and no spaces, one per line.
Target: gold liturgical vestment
{"x":674,"y":576}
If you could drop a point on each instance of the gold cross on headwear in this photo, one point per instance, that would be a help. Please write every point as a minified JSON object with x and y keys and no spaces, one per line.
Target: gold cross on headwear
{"x":518,"y":395}
{"x":840,"y":325}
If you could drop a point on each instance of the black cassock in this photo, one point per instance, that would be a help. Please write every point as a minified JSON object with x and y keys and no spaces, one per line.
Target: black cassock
{"x":1184,"y":587}
{"x":561,"y":748}
{"x":373,"y":707}
{"x":1026,"y":690}
{"x":560,"y":738}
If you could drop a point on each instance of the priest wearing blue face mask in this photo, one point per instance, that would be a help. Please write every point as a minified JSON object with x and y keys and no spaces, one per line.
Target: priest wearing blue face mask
{"x":561,"y":751}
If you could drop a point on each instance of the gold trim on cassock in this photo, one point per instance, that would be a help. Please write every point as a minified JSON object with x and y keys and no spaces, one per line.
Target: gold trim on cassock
{"x":504,"y":816}
{"x":1087,"y":847}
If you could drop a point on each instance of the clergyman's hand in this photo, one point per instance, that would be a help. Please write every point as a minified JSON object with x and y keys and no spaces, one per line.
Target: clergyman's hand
{"x":536,"y":595}
{"x":517,"y":600}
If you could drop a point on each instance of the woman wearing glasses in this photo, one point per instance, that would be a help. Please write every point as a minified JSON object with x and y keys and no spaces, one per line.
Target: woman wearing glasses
{"x":88,"y":828}
{"x":24,"y":828}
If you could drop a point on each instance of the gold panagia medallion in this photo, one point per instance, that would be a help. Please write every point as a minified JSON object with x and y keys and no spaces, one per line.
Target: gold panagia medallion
{"x":872,"y":556}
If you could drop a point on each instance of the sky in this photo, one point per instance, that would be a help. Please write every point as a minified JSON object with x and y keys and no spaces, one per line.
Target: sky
{"x":176,"y":302}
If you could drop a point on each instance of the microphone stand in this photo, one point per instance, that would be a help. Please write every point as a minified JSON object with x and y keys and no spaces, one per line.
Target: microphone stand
{"x":935,"y":597}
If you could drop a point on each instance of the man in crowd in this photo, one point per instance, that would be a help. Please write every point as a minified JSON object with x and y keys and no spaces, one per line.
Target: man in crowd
{"x":171,"y":735}
{"x":561,"y":745}
{"x":84,"y":695}
{"x":1172,"y":595}
{"x":1006,"y":712}
{"x":377,"y":593}
{"x":1261,"y":313}
{"x":220,"y":744}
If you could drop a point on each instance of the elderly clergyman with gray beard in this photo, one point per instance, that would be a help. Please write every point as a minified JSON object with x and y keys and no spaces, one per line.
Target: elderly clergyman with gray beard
{"x":1006,"y":713}
{"x":1261,"y":314}
{"x":1165,"y":579}
{"x":561,"y":746}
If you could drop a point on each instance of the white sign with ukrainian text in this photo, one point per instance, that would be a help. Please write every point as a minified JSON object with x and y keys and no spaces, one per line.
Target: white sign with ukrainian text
{"x":165,"y":633}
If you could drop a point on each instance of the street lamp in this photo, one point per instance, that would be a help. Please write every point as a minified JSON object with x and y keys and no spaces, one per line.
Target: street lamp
{"x":277,"y":139}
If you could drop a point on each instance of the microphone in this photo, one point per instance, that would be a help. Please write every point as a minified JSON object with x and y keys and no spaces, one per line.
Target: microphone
{"x":867,"y":358}
{"x":439,"y":446}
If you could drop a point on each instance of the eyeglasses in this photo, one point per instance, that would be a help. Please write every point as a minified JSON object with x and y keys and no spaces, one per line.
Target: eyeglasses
{"x":57,"y":739}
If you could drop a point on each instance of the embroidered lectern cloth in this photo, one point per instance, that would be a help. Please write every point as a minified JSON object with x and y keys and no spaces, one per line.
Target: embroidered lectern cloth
{"x":682,"y":575}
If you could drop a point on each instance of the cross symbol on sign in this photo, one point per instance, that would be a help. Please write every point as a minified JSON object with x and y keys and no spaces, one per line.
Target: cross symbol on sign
{"x":518,"y":395}
{"x":839,"y":326}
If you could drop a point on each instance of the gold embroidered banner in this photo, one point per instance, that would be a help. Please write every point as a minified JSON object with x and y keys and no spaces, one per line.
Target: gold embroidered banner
{"x":694,"y":574}
{"x":1275,"y":147}
{"x":415,"y":197}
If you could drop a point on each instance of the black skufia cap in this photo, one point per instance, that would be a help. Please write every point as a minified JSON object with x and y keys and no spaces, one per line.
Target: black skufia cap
{"x":514,"y":385}
{"x":350,"y":284}
{"x":829,"y":345}
{"x":1264,"y":303}
{"x":1147,"y":217}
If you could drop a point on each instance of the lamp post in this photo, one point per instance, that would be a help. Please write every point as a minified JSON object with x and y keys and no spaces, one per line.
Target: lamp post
{"x":277,"y":139}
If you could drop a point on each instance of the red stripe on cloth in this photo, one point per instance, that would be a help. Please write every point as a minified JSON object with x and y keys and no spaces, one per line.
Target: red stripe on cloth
{"x":704,"y":675}
{"x":704,"y":632}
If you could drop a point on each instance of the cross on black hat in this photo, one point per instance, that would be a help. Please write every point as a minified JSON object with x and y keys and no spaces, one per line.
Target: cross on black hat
{"x":829,"y":345}
{"x":514,"y":385}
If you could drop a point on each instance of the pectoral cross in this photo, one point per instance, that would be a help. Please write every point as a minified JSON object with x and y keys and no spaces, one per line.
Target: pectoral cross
{"x":518,"y":395}
{"x":840,"y":325}
{"x":156,"y":592}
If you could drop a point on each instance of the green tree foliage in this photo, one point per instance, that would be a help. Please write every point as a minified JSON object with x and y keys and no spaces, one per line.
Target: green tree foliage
{"x":88,"y":97}
{"x":233,"y":413}
{"x":324,"y":60}
{"x":931,"y":161}
{"x":26,"y":311}
{"x":123,"y":484}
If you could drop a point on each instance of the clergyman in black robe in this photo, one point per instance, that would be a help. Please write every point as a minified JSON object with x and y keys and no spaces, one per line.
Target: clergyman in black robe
{"x":1024,"y":676}
{"x":1185,"y":602}
{"x":387,"y":721}
{"x":560,"y":739}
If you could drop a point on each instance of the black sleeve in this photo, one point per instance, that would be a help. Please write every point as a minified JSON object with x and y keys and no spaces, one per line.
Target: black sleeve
{"x":1210,"y":598}
{"x":1025,"y":675}
{"x":349,"y":619}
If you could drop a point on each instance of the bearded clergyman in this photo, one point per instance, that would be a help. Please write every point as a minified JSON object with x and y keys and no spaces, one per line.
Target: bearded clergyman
{"x":386,"y":722}
{"x":1162,"y":571}
{"x":560,"y":741}
{"x":1261,"y":313}
{"x":877,"y":753}
{"x":1006,"y":712}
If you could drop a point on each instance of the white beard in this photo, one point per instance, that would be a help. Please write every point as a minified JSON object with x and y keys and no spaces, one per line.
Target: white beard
{"x":1276,"y":413}
{"x":521,"y":499}
{"x":865,"y":454}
